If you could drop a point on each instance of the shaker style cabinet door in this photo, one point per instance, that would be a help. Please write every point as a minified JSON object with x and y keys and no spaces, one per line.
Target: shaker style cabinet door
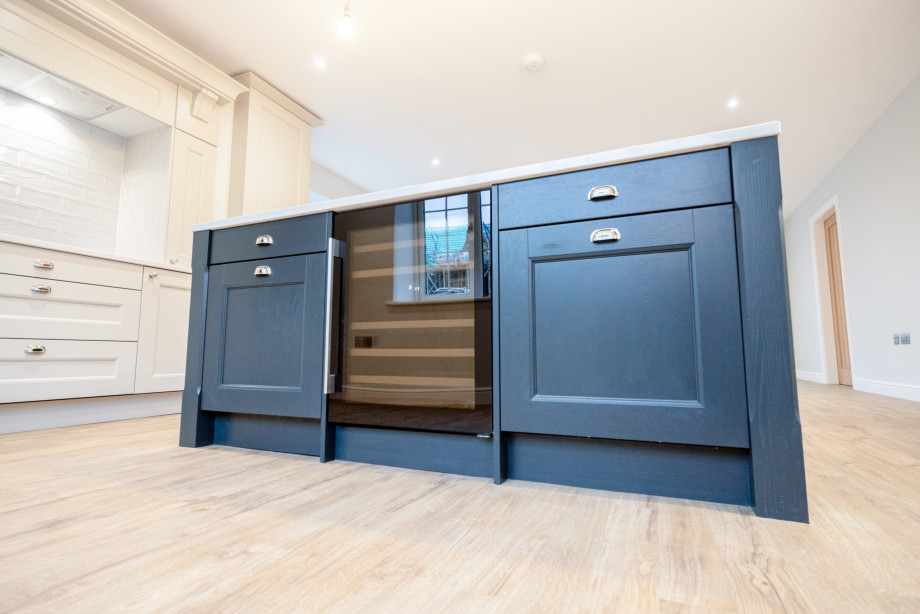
{"x":624,"y":328}
{"x":191,"y":194}
{"x":264,"y":337}
{"x":163,"y":333}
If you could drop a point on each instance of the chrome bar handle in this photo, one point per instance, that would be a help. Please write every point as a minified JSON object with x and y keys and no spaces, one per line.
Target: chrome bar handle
{"x":603,"y":191}
{"x":43,"y":264}
{"x":35,"y":349}
{"x":602,"y":235}
{"x":264,"y":240}
{"x":263,"y":271}
{"x":43,"y":288}
{"x":335,"y":250}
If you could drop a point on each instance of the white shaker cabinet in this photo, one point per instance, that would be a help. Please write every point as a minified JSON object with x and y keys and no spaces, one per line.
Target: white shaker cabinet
{"x":191,"y":194}
{"x":163,"y":333}
{"x":270,"y":160}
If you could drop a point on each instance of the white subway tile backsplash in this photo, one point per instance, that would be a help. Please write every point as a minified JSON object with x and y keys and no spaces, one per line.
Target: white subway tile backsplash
{"x":9,"y":155}
{"x":44,"y":200}
{"x":90,"y":212}
{"x":19,"y":212}
{"x":9,"y":191}
{"x":99,"y":244}
{"x":21,"y":176}
{"x":30,"y":231}
{"x":43,"y":165}
{"x":60,"y":177}
{"x":93,"y":181}
{"x":64,"y":188}
{"x":74,"y":159}
{"x":107,"y":198}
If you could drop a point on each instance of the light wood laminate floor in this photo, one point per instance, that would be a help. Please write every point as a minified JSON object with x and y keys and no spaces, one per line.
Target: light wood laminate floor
{"x":117,"y":517}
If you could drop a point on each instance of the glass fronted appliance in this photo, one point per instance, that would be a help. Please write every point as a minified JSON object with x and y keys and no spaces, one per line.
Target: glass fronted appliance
{"x":415,"y":325}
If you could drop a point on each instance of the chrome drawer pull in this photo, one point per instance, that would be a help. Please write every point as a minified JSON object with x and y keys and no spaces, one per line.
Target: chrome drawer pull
{"x":35,"y":349}
{"x":44,"y":288}
{"x":173,"y":261}
{"x":603,"y":191}
{"x":605,"y":234}
{"x":43,"y":264}
{"x":263,"y":271}
{"x":153,"y":275}
{"x":264,"y":240}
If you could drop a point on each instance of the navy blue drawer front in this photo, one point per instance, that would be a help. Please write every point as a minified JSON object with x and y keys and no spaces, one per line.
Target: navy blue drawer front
{"x":298,"y":235}
{"x":677,"y":182}
{"x":636,"y":339}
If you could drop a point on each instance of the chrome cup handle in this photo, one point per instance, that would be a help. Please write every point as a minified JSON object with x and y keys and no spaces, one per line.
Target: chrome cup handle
{"x":603,"y":191}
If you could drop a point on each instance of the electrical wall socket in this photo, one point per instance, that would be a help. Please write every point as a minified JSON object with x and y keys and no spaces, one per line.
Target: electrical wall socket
{"x":905,"y":338}
{"x":897,"y":339}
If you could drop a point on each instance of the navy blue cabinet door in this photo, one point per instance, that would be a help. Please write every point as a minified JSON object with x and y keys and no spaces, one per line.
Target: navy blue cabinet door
{"x":264,"y":337}
{"x":637,"y":338}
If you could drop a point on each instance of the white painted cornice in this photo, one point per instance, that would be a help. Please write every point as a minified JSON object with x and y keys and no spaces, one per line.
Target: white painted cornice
{"x":118,"y":29}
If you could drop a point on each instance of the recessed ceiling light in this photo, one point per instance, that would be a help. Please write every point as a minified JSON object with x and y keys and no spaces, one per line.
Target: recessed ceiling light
{"x":732,"y":103}
{"x":435,"y":162}
{"x":346,"y":25}
{"x":46,"y":100}
{"x":320,"y":62}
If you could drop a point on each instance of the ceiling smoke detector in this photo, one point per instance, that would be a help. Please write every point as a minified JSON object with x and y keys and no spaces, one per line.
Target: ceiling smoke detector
{"x":534,"y":62}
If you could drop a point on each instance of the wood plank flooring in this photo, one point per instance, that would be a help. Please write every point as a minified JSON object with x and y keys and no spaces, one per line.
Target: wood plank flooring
{"x":117,"y":517}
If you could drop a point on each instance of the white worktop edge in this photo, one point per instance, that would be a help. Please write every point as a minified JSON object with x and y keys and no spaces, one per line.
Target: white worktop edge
{"x":479,"y":181}
{"x":80,"y":251}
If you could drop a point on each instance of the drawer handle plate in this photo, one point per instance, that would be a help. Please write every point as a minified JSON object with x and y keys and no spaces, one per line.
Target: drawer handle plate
{"x":35,"y":349}
{"x":263,"y":271}
{"x":603,"y":191}
{"x":602,"y":235}
{"x":264,"y":240}
{"x":43,"y":264}
{"x":43,"y":288}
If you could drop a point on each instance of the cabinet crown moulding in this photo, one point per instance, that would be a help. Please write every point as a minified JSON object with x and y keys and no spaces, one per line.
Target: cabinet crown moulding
{"x":127,"y":34}
{"x":253,"y":81}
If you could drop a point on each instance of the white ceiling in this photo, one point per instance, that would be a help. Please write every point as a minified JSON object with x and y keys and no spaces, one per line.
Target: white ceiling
{"x":425,"y":79}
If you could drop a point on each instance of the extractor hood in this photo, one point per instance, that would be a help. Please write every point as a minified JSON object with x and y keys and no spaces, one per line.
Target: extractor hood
{"x":39,"y":85}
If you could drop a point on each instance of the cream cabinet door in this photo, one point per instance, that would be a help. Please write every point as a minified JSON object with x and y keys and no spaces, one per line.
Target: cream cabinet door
{"x":43,"y":369}
{"x":163,"y":331}
{"x":191,"y":194}
{"x":277,"y":157}
{"x":47,"y":308}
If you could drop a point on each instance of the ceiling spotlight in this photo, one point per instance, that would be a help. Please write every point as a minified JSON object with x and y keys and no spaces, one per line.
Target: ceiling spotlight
{"x":346,"y":25}
{"x":46,"y":100}
{"x":435,"y":162}
{"x":732,"y":103}
{"x":320,"y":62}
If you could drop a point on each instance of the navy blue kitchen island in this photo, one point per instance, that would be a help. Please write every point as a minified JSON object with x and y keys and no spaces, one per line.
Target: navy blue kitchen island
{"x":616,"y":321}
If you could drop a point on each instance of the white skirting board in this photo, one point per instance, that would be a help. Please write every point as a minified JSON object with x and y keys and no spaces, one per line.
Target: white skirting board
{"x":888,"y":389}
{"x":19,"y":417}
{"x":811,"y":376}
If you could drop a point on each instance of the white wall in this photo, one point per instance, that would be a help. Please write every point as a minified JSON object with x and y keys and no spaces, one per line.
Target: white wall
{"x":60,"y":177}
{"x":877,"y":190}
{"x":330,"y":184}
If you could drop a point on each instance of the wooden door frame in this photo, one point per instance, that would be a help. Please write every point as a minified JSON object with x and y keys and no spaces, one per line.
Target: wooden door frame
{"x":825,"y":314}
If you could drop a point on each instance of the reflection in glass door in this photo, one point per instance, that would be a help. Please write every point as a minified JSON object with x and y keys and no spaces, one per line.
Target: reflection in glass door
{"x":415,"y":343}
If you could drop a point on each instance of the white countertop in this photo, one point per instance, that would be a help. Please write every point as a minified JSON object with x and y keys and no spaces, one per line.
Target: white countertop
{"x":88,"y":252}
{"x":481,"y":181}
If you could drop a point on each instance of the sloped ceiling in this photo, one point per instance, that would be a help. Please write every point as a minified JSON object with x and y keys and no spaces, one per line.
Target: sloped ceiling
{"x":444,"y":79}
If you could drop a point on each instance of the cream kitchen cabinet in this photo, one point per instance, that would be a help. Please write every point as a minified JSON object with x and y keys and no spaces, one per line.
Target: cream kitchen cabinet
{"x":163,"y":332}
{"x":76,"y":325}
{"x":191,"y":194}
{"x":270,"y":159}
